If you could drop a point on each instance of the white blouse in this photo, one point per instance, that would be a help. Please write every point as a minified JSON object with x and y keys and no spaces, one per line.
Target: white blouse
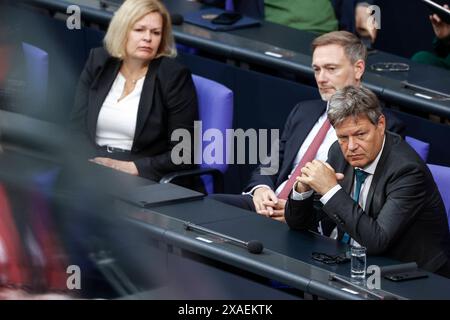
{"x":116,"y":122}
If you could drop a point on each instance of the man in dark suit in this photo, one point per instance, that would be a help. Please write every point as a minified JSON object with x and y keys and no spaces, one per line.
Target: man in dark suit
{"x":386,"y":199}
{"x":338,"y":60}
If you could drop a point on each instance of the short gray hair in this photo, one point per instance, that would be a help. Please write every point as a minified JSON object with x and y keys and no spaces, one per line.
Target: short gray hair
{"x":353,"y":102}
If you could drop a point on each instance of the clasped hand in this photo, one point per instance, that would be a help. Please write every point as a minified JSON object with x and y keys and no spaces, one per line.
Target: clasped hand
{"x":318,"y":176}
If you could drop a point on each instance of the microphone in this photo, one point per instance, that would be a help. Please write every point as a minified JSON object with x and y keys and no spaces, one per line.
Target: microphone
{"x":253,"y":246}
{"x":177,"y":19}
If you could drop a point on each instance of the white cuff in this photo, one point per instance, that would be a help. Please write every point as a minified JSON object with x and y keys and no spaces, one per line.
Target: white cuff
{"x":300,"y":196}
{"x":250,"y":193}
{"x":327,"y":196}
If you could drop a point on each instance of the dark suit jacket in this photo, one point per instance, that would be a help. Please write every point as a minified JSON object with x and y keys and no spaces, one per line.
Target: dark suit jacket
{"x":168,"y":102}
{"x":298,"y":125}
{"x":404,"y":217}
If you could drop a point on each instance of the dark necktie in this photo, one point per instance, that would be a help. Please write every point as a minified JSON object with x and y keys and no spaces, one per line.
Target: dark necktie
{"x":360,"y":177}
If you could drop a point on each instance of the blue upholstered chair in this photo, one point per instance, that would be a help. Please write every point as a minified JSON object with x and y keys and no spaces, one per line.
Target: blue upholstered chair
{"x":36,"y":61}
{"x":215,"y":103}
{"x":441,"y":176}
{"x":229,"y":5}
{"x":421,"y":147}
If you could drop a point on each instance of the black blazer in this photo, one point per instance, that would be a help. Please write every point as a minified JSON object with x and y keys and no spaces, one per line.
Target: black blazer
{"x":298,"y":125}
{"x":404,"y":219}
{"x":168,"y":102}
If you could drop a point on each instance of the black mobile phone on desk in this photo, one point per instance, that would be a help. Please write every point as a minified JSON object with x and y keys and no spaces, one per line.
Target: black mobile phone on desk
{"x":227,"y":18}
{"x":405,"y":276}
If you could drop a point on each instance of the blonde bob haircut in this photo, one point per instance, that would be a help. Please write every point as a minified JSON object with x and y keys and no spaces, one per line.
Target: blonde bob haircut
{"x":130,"y":12}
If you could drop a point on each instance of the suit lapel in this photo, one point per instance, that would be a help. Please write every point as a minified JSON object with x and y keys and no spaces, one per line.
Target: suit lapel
{"x":99,"y":90}
{"x":349,"y":176}
{"x":147,"y":95}
{"x":346,"y":183}
{"x":378,"y":172}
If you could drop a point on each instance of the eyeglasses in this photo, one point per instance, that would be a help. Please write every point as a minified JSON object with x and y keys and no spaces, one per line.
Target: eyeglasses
{"x":330,"y":259}
{"x":389,"y":66}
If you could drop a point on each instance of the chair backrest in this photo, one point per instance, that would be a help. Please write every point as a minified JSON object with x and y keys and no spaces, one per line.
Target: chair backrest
{"x":441,"y":176}
{"x":215,"y":103}
{"x":36,"y":61}
{"x":421,"y":147}
{"x":229,"y":5}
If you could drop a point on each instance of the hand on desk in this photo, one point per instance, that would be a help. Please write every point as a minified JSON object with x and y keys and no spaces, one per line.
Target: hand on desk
{"x":319,"y":176}
{"x":441,"y":29}
{"x":267,"y":204}
{"x":124,"y":166}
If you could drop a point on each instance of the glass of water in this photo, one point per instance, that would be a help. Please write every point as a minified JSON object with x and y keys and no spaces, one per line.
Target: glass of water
{"x":358,"y":262}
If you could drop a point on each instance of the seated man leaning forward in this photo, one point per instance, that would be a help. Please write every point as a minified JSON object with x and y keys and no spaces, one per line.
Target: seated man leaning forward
{"x":374,"y":191}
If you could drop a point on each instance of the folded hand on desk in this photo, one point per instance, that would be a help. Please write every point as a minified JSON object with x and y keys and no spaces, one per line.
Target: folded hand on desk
{"x":124,"y":166}
{"x":268,"y":204}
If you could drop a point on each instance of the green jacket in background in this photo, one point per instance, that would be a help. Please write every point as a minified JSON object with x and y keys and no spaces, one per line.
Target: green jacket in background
{"x":311,"y":15}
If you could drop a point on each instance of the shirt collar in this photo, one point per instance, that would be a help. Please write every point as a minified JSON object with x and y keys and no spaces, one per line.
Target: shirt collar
{"x":325,"y":114}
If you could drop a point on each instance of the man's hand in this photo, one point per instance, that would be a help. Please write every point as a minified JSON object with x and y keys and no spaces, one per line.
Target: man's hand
{"x":362,"y":18}
{"x":319,"y":176}
{"x":301,"y":187}
{"x":441,"y":29}
{"x":124,"y":166}
{"x":267,"y":204}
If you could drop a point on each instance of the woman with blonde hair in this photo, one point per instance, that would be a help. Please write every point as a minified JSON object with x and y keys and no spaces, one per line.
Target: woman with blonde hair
{"x":132,"y":94}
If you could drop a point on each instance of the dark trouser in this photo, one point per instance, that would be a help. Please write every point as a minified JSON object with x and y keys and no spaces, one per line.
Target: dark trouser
{"x":237,"y":200}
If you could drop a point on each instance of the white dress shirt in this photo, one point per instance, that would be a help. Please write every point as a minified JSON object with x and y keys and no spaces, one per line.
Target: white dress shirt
{"x":116,"y":123}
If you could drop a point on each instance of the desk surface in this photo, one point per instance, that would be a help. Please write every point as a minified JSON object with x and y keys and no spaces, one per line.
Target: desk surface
{"x":287,"y":254}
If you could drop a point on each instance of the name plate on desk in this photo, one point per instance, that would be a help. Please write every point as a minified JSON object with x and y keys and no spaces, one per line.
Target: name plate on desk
{"x":160,"y":193}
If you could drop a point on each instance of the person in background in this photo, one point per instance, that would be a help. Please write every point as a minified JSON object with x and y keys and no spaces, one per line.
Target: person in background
{"x":319,"y":16}
{"x":440,"y":56}
{"x":32,"y":261}
{"x":132,"y":94}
